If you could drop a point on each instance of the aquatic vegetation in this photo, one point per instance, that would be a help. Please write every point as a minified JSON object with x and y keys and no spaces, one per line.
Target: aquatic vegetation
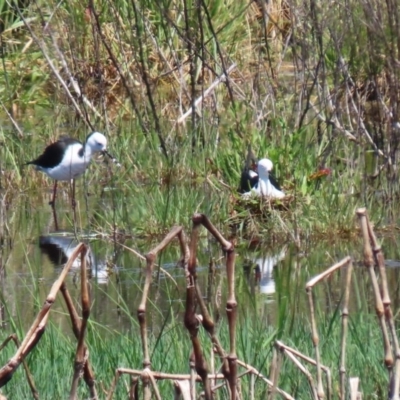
{"x":248,"y":342}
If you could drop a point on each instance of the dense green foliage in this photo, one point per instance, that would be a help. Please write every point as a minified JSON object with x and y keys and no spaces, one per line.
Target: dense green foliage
{"x":306,"y":99}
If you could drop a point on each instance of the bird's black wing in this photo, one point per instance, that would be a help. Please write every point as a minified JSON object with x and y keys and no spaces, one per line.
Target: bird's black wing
{"x":248,"y":180}
{"x":274,"y":182}
{"x":53,"y":153}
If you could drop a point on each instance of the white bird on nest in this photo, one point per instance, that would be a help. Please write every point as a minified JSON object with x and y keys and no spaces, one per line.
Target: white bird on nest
{"x":264,"y":186}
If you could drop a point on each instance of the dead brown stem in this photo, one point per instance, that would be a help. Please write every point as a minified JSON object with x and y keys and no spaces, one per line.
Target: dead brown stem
{"x":82,"y":354}
{"x":385,"y":298}
{"x":29,"y":376}
{"x":88,"y":373}
{"x":192,"y":322}
{"x":231,"y":305}
{"x":315,"y":338}
{"x":345,"y":318}
{"x":141,"y":312}
{"x":369,"y":264}
{"x":36,"y":331}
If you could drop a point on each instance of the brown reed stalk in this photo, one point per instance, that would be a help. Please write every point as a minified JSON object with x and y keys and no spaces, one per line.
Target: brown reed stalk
{"x":158,"y":376}
{"x":182,"y":390}
{"x":118,"y":373}
{"x":141,"y":312}
{"x":252,"y":382}
{"x":153,"y":383}
{"x":194,"y":298}
{"x":165,"y":375}
{"x":293,"y":354}
{"x":29,"y":376}
{"x":310,"y":360}
{"x":345,"y":319}
{"x":369,"y":264}
{"x":306,"y":372}
{"x":191,"y":320}
{"x":259,"y":375}
{"x":37,"y":329}
{"x":81,"y":356}
{"x":315,"y":338}
{"x":231,"y":304}
{"x":274,"y":372}
{"x":379,"y":258}
{"x":354,"y":393}
{"x":134,"y":388}
{"x":88,"y":373}
{"x":193,"y":375}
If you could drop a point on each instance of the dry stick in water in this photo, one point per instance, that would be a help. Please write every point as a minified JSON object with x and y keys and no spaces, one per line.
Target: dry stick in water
{"x":274,"y":371}
{"x":141,"y":312}
{"x":305,"y":371}
{"x":147,"y":375}
{"x":369,"y":263}
{"x":345,"y":320}
{"x":37,"y":329}
{"x":354,"y":393}
{"x":380,"y":260}
{"x":29,"y":376}
{"x":192,"y":321}
{"x":81,"y":351}
{"x":231,"y":304}
{"x":286,"y":349}
{"x":309,"y":286}
{"x":88,"y":374}
{"x":207,"y":320}
{"x":384,"y":293}
{"x":259,"y":375}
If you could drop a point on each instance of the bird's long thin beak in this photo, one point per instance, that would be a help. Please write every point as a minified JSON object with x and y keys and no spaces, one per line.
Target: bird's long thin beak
{"x":114,"y":160}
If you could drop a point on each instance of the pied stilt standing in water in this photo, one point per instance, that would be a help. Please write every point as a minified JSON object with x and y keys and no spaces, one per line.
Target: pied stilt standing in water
{"x":265,"y":186}
{"x":68,"y":158}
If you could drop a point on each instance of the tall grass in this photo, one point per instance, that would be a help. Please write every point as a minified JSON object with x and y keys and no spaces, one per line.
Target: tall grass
{"x":303,"y":97}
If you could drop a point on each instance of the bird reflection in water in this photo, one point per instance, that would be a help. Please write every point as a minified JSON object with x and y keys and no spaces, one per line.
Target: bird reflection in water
{"x":263,"y":267}
{"x":59,"y":248}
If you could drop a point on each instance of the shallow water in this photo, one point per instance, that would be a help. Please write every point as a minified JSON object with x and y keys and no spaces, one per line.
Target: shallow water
{"x":33,"y":253}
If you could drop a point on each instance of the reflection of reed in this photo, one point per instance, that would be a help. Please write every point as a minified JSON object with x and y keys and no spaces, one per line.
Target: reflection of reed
{"x":59,"y":249}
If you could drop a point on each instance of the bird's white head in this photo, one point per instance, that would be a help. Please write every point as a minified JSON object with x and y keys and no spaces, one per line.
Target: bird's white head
{"x":97,"y":142}
{"x":264,"y":166}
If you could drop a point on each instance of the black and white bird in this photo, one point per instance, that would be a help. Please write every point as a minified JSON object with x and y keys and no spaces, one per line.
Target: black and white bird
{"x":67,"y":158}
{"x":262,"y":183}
{"x":249,"y":177}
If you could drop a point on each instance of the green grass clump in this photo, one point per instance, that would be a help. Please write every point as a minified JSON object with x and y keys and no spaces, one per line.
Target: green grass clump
{"x":170,"y":350}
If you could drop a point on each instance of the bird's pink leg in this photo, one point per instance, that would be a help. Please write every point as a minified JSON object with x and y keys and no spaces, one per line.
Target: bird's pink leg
{"x":53,"y":200}
{"x":73,"y":194}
